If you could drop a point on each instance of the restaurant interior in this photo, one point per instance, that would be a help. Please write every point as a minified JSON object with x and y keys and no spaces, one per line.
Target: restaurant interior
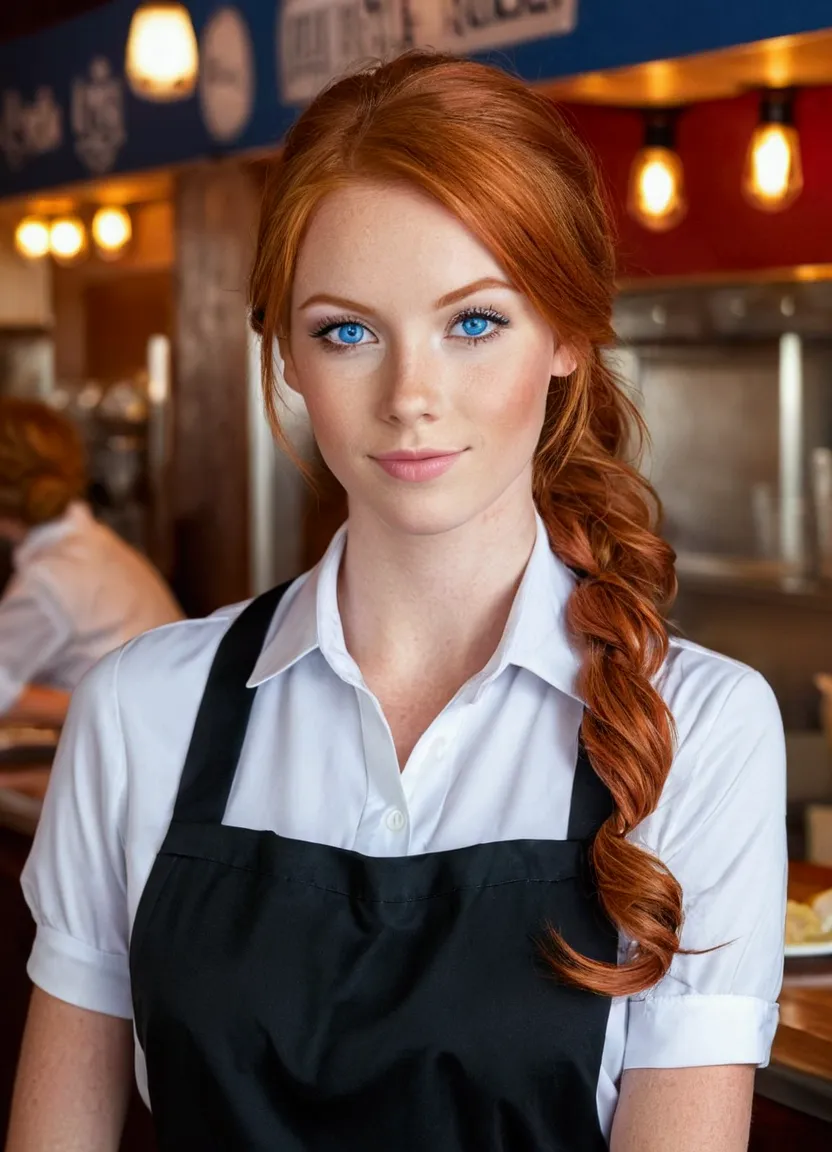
{"x":122,"y":303}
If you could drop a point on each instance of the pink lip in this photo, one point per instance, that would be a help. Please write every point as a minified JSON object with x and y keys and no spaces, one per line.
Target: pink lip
{"x":419,"y":465}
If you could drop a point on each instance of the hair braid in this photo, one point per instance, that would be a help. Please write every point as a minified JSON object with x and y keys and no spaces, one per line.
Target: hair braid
{"x":599,"y":513}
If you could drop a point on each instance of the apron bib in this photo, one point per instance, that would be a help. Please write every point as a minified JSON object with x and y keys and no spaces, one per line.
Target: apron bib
{"x":295,"y":997}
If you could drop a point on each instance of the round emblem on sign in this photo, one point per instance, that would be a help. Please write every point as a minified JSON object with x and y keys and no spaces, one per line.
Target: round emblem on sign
{"x":226,"y":75}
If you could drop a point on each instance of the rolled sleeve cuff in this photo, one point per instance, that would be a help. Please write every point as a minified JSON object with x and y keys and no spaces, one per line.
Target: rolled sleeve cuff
{"x":695,"y":1031}
{"x":74,"y":972}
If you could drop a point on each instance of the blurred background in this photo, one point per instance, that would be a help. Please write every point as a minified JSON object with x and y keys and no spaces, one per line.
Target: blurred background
{"x":133,"y":140}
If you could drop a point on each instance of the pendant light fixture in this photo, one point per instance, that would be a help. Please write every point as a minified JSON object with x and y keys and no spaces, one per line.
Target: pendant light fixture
{"x":111,"y":231}
{"x":162,"y":58}
{"x":67,"y":239}
{"x":656,"y":193}
{"x":31,"y":238}
{"x":773,"y":177}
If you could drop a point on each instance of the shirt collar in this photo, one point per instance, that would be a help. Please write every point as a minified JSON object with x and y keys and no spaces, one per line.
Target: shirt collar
{"x":307,"y":619}
{"x":535,"y":637}
{"x":76,"y":518}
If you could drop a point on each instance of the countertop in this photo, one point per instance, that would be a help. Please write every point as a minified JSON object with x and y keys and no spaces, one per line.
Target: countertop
{"x":800,"y":1072}
{"x":804,"y":1038}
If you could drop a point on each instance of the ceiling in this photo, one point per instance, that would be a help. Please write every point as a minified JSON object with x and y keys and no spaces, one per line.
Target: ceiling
{"x":800,"y":61}
{"x":18,"y":19}
{"x":789,"y":61}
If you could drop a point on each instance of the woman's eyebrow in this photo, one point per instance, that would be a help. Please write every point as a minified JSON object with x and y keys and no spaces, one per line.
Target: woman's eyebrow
{"x":470,"y":289}
{"x":337,"y":301}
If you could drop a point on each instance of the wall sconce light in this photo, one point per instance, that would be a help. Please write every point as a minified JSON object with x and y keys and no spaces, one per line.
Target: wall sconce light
{"x":656,"y":193}
{"x":111,"y":231}
{"x":67,"y":239}
{"x":773,"y":177}
{"x":31,"y":238}
{"x":162,"y":57}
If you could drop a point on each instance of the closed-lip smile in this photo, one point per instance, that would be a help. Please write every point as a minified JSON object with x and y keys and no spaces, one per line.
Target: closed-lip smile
{"x":417,"y":464}
{"x":417,"y":454}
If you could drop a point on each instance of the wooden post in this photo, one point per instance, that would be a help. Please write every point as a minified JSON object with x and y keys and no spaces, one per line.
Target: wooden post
{"x":216,"y":220}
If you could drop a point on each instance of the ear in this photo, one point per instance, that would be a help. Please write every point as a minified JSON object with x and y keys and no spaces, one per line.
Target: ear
{"x":286,"y":365}
{"x":564,"y":360}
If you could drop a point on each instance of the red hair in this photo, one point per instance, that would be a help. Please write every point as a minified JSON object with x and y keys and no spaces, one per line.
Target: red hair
{"x":42,"y":461}
{"x":499,"y":157}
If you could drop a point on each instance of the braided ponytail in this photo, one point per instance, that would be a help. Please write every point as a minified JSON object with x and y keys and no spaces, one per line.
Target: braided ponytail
{"x":599,"y":513}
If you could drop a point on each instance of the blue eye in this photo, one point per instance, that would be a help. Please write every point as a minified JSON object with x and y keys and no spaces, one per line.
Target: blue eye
{"x":474,"y":325}
{"x":339,"y":334}
{"x":351,"y":333}
{"x":478,"y":325}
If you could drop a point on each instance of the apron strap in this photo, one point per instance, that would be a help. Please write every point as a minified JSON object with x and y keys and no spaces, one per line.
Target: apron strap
{"x":592,"y":803}
{"x":222,"y":719}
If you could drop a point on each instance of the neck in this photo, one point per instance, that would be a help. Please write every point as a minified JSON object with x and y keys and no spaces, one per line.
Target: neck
{"x":413,"y":604}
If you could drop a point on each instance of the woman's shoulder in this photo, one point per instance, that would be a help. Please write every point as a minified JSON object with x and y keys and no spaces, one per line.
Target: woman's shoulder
{"x":705,"y":690}
{"x":164,"y":671}
{"x":192,"y":640}
{"x":729,"y":737}
{"x":160,"y":673}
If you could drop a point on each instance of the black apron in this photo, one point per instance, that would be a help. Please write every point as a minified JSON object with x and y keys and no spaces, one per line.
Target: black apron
{"x":295,"y":997}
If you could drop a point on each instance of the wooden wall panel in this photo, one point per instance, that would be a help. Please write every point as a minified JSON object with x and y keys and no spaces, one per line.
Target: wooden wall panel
{"x":216,"y":216}
{"x":70,"y":331}
{"x":121,"y":314}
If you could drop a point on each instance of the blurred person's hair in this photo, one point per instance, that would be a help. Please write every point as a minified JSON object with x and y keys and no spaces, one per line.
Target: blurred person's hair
{"x":498,"y":156}
{"x":42,"y":461}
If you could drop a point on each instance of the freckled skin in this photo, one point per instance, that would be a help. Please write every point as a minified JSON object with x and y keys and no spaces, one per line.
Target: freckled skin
{"x":417,"y":377}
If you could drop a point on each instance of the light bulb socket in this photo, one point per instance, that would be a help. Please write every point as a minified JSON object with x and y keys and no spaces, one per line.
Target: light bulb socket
{"x":777,"y":107}
{"x":660,"y":130}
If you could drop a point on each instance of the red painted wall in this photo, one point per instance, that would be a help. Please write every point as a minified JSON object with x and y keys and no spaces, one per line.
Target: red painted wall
{"x":721,"y":232}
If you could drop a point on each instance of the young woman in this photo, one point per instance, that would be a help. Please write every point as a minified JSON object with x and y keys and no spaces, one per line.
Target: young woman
{"x":77,"y":590}
{"x":447,"y":846}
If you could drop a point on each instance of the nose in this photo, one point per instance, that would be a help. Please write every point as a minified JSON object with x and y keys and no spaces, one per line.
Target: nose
{"x":411,"y":388}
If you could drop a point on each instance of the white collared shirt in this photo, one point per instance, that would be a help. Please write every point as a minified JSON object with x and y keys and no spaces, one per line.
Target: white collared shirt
{"x":78,"y":591}
{"x":319,"y":764}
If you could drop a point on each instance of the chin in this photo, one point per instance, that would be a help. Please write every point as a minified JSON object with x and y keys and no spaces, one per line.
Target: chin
{"x":428,"y":514}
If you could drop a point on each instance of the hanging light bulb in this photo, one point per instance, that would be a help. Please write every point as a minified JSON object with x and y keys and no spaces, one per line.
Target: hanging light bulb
{"x":656,"y":194}
{"x":773,"y":177}
{"x":111,"y":231}
{"x":67,"y":239}
{"x":31,"y":238}
{"x":162,"y":58}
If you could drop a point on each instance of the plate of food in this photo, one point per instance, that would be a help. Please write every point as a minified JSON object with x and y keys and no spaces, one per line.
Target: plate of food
{"x":809,"y":926}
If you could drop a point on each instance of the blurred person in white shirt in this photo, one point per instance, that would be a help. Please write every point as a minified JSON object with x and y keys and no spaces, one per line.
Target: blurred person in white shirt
{"x":77,"y":590}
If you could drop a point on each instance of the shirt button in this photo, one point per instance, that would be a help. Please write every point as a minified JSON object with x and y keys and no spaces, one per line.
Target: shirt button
{"x":439,"y":747}
{"x":396,"y":820}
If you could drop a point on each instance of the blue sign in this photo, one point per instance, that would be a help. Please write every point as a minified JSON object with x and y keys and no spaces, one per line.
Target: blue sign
{"x":67,"y":113}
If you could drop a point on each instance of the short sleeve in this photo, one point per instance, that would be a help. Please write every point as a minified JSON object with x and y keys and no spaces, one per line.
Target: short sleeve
{"x":720,"y":828}
{"x":75,"y":878}
{"x":32,"y":632}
